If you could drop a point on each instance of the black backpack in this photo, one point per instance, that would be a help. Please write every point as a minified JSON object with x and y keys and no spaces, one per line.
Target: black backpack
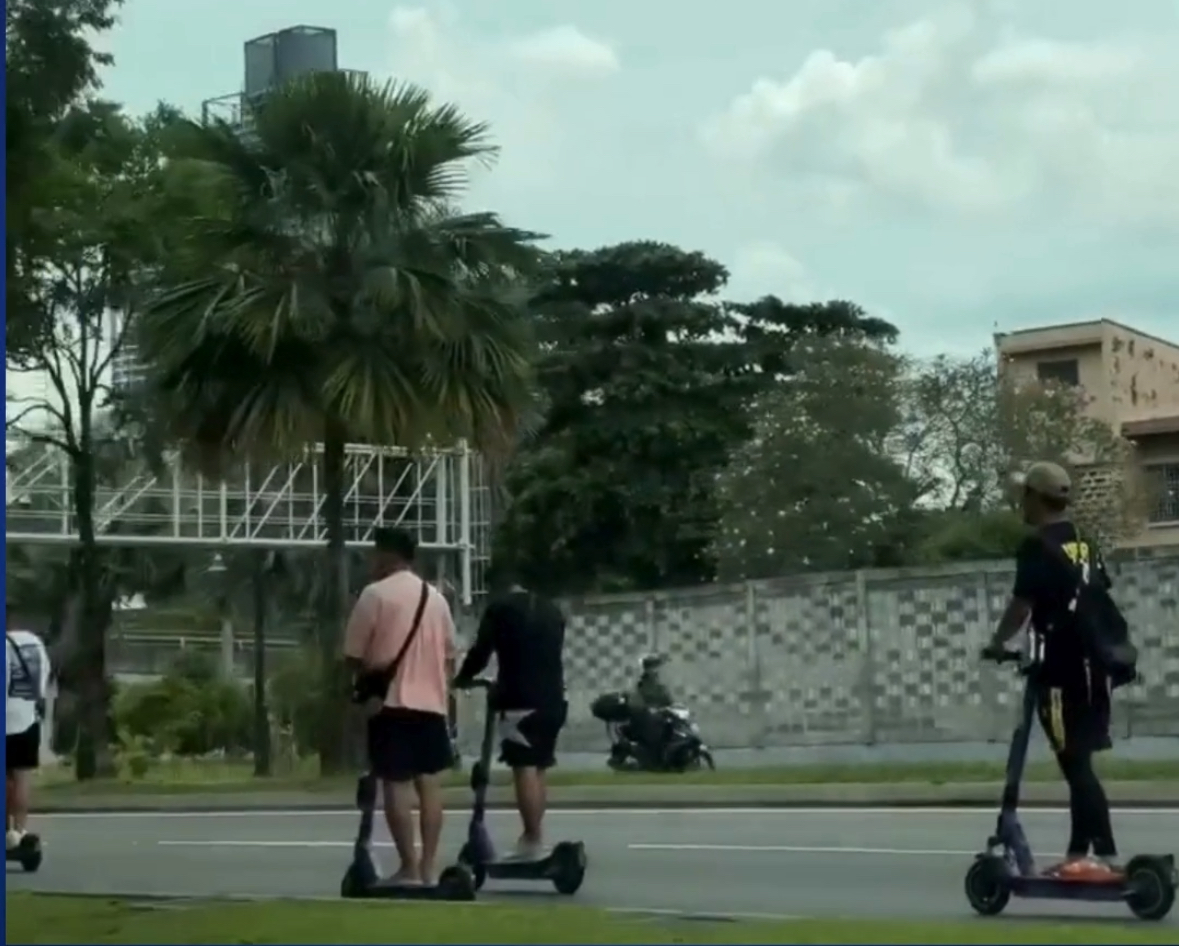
{"x":1102,"y":626}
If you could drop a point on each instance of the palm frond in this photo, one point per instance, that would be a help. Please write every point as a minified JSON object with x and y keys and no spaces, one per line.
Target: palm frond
{"x":331,"y":281}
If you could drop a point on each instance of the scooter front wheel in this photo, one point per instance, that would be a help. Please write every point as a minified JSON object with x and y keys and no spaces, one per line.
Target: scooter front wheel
{"x":986,"y":885}
{"x":478,"y":870}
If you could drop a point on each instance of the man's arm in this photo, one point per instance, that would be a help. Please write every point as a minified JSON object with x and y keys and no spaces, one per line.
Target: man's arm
{"x":480,"y":653}
{"x":1028,"y":577}
{"x":358,"y":633}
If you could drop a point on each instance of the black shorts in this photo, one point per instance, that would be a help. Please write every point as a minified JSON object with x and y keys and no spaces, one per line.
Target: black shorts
{"x":529,"y":737}
{"x":406,"y":743}
{"x":22,"y":752}
{"x":1076,"y":718}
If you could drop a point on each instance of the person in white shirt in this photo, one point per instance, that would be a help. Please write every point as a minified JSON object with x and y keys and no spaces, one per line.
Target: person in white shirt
{"x":26,"y":680}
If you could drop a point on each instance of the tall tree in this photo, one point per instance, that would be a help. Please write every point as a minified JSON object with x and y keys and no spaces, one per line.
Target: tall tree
{"x":643,"y":384}
{"x":50,"y":66}
{"x":968,"y":426}
{"x":97,"y":233}
{"x":815,"y":487}
{"x":334,"y":296}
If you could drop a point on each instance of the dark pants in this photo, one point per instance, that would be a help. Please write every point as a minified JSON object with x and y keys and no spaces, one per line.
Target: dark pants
{"x":1088,"y":807}
{"x":1076,"y":719}
{"x":405,"y":743}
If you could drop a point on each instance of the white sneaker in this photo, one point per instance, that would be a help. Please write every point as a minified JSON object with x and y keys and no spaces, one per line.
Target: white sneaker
{"x":529,"y":851}
{"x":12,"y":839}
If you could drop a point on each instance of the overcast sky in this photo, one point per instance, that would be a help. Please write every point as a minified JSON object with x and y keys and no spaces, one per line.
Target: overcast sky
{"x":951,"y":166}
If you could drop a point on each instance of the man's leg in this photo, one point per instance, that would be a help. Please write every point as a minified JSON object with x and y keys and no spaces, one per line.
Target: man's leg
{"x":433,"y":755}
{"x":1086,"y":730}
{"x":389,"y":738}
{"x":430,"y":818}
{"x":530,"y":761}
{"x":531,"y":800}
{"x":24,"y":753}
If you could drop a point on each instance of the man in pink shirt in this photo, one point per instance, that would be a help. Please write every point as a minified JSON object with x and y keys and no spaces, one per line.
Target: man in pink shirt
{"x":408,"y":736}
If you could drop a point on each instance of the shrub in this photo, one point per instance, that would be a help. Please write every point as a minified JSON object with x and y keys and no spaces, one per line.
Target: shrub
{"x":189,"y":711}
{"x":296,"y":699}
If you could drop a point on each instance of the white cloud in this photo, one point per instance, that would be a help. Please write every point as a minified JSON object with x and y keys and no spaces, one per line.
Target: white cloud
{"x":568,"y":50}
{"x":1046,"y":62}
{"x":949,"y":114}
{"x":766,"y":268}
{"x":505,"y":82}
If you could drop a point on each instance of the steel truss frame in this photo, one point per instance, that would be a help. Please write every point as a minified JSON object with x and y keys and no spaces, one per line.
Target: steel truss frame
{"x":439,"y":495}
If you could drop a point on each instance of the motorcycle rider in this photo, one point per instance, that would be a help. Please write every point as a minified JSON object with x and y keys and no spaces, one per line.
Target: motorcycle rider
{"x":646,"y":701}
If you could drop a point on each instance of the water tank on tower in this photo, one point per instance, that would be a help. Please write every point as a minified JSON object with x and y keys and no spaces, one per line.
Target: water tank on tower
{"x":279,"y":57}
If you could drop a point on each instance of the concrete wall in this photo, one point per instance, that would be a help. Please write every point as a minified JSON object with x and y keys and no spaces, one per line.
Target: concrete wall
{"x":866,"y":657}
{"x":852,"y":658}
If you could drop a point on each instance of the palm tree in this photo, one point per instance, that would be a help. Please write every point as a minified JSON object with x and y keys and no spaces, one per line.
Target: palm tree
{"x":330,"y":294}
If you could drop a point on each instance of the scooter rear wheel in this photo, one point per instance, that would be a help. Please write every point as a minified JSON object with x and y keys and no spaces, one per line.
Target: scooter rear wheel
{"x":986,"y":886}
{"x":1150,"y":888}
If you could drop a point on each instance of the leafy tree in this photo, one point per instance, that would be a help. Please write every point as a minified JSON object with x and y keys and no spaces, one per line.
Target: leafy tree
{"x":331,"y":295}
{"x":968,"y":426}
{"x":648,"y":386}
{"x":815,"y":488}
{"x":96,"y":233}
{"x":50,"y":66}
{"x":643,"y":384}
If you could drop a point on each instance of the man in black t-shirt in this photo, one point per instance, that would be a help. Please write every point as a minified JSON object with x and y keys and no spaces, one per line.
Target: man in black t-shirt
{"x":1073,"y":691}
{"x":526,"y":633}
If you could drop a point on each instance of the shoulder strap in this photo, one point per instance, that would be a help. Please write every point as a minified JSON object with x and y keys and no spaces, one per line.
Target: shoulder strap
{"x":1061,"y":556}
{"x":25,"y":669}
{"x":413,"y":631}
{"x":20,"y":658}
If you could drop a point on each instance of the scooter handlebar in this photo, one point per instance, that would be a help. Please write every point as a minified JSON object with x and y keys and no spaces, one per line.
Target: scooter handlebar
{"x":476,"y":683}
{"x":1001,"y":655}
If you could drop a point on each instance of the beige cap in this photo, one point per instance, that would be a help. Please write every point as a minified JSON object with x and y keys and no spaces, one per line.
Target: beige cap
{"x":1047,"y":479}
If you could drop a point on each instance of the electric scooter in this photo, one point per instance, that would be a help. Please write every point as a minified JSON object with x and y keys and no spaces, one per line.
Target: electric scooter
{"x":362,"y":880}
{"x":27,"y":853}
{"x":564,"y":866}
{"x":1007,"y":867}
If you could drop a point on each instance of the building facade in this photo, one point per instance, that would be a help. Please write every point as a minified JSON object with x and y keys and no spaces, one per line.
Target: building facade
{"x":1131,"y":380}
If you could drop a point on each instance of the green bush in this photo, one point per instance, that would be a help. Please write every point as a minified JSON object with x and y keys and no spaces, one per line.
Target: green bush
{"x":189,"y":711}
{"x":296,"y":699}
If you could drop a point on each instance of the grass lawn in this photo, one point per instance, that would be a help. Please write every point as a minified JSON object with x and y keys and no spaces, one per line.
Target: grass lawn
{"x":188,"y":776}
{"x":42,"y":918}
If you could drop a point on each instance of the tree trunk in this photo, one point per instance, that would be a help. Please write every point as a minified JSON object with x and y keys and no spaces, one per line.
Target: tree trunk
{"x":333,"y":741}
{"x":262,"y":765}
{"x":93,"y":757}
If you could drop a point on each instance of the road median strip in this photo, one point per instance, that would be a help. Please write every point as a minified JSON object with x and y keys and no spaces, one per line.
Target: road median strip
{"x":1137,"y":794}
{"x":39,"y":918}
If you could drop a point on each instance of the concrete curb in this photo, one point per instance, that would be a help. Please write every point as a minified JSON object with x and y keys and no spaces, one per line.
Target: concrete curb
{"x":1123,"y":794}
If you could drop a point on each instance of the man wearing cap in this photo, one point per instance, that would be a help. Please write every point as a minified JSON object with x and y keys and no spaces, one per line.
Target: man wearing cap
{"x":1074,"y":692}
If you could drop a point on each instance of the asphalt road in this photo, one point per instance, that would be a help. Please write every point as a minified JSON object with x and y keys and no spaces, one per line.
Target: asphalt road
{"x":871,"y":862}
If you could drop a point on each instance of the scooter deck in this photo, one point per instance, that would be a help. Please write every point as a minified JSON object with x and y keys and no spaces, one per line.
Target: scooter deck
{"x":387,"y":890}
{"x":1113,"y":890}
{"x":512,"y":868}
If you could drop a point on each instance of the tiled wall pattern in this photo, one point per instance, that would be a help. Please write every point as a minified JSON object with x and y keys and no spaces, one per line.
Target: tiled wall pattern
{"x":863,"y":657}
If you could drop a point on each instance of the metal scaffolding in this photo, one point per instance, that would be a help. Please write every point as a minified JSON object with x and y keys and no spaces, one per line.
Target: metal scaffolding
{"x":440,"y":496}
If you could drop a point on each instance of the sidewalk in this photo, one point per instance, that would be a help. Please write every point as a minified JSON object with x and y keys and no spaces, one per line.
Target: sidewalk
{"x":1124,"y":794}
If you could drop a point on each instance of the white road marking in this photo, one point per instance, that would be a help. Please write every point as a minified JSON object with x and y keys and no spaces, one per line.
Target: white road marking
{"x":597,"y":812}
{"x":719,"y":915}
{"x":653,"y":846}
{"x":809,"y":849}
{"x":239,"y":843}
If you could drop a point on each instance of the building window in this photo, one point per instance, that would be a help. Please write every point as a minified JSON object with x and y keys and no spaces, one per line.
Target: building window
{"x":1065,"y":371}
{"x":1164,"y":493}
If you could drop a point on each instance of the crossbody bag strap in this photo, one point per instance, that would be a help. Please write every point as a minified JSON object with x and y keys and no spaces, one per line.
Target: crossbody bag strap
{"x":20,"y":658}
{"x":413,"y":631}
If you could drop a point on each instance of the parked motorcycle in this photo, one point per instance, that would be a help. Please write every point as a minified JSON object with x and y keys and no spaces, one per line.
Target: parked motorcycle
{"x":679,"y":747}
